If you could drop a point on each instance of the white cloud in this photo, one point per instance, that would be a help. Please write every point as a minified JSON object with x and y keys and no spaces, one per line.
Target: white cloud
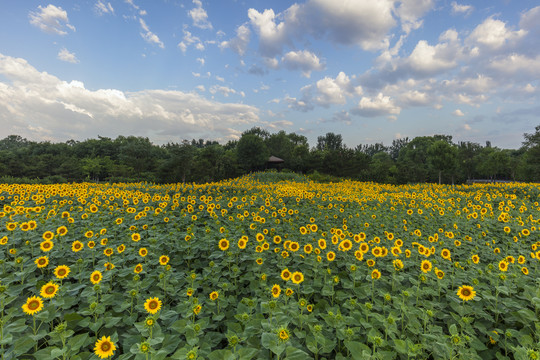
{"x":188,"y":40}
{"x":329,"y":91}
{"x":410,"y":13}
{"x":149,"y":36}
{"x":219,"y":78}
{"x":239,"y":43}
{"x":302,"y":60}
{"x":461,"y":9}
{"x":200,"y":61}
{"x":493,"y":34}
{"x":196,"y":74}
{"x":376,"y":106}
{"x":529,"y":88}
{"x":34,"y":104}
{"x":517,"y":64}
{"x":362,"y":23}
{"x":458,"y":112}
{"x":199,"y":16}
{"x":429,"y":59}
{"x":201,"y":88}
{"x":224,"y":90}
{"x":67,"y":56}
{"x":101,"y":8}
{"x":51,"y":19}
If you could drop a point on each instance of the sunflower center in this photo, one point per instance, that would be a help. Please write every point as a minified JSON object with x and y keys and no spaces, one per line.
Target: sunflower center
{"x":152,"y":305}
{"x":96,"y":277}
{"x":105,"y":346}
{"x":33,"y":305}
{"x":61,"y":272}
{"x":49,"y":290}
{"x":465,"y":292}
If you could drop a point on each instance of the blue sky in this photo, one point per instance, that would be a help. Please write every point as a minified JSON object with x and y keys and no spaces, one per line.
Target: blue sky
{"x":169,"y":70}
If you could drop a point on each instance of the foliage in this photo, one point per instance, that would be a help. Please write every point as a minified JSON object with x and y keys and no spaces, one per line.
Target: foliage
{"x":254,"y":269}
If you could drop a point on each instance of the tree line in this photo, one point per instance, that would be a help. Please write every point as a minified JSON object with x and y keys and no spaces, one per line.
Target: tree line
{"x":132,"y":159}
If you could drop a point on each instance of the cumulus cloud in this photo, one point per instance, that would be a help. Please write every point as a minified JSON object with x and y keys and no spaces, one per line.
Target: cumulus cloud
{"x":461,"y":9}
{"x":494,"y":34}
{"x":458,"y":112}
{"x":101,"y":8}
{"x":302,"y":60}
{"x":34,"y":104}
{"x":51,"y":19}
{"x":432,"y":59}
{"x":188,"y":40}
{"x":67,"y":56}
{"x":199,"y":16}
{"x":376,"y":106}
{"x":331,"y":91}
{"x":410,"y":13}
{"x":149,"y":36}
{"x":362,"y":23}
{"x":517,"y":64}
{"x":239,"y":43}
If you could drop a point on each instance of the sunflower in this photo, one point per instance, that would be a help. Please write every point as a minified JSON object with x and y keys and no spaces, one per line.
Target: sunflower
{"x":466,"y":293}
{"x":109,"y":266}
{"x":289,"y":291}
{"x":138,"y":268}
{"x":33,"y":305}
{"x":4,"y":240}
{"x":370,"y":262}
{"x":259,"y":261}
{"x":96,"y":277}
{"x":286,"y":274}
{"x":294,"y":246}
{"x":152,"y":305}
{"x":297,"y":277}
{"x":276,"y":290}
{"x":61,"y":271}
{"x":440,"y":274}
{"x":277,"y":239}
{"x":322,"y":244}
{"x":135,"y":237}
{"x":375,"y":274}
{"x":445,"y":254}
{"x":89,"y":234}
{"x":197,"y":309}
{"x":331,"y":256}
{"x":104,"y":347}
{"x":503,"y":265}
{"x":426,"y":266}
{"x":475,"y":259}
{"x":398,"y":264}
{"x":525,"y":271}
{"x":121,"y":248}
{"x":223,"y":244}
{"x":308,"y":248}
{"x":49,"y":290}
{"x":46,"y":245}
{"x":345,"y":245}
{"x":214,"y":295}
{"x":283,"y":334}
{"x":48,"y":235}
{"x":242,"y":243}
{"x":91,"y":244}
{"x":42,"y":261}
{"x":143,"y":252}
{"x":62,"y":230}
{"x":77,"y":246}
{"x":163,"y":260}
{"x":108,"y":251}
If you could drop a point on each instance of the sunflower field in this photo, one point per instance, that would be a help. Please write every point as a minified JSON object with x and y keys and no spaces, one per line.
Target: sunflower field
{"x":255,"y":269}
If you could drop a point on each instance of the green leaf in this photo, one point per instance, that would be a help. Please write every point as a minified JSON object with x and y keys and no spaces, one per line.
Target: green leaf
{"x":221,"y":355}
{"x":23,"y":344}
{"x":247,"y":353}
{"x":356,"y":349}
{"x":77,"y":342}
{"x":400,"y":346}
{"x":293,"y":353}
{"x":453,"y":329}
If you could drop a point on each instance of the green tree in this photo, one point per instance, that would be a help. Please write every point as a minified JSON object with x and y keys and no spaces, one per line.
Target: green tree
{"x":442,"y":158}
{"x":252,"y":152}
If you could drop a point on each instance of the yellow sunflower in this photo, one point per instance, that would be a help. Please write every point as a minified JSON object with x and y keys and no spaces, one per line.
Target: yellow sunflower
{"x":42,"y":261}
{"x":214,"y":295}
{"x":143,"y":252}
{"x":49,"y":290}
{"x":286,"y":274}
{"x":61,"y":271}
{"x":503,"y":265}
{"x":163,"y":260}
{"x":104,"y":347}
{"x":33,"y":305}
{"x":223,"y":244}
{"x":466,"y":292}
{"x":46,"y":245}
{"x":331,"y":256}
{"x":96,"y":277}
{"x":152,"y":305}
{"x":426,"y":266}
{"x":276,"y":290}
{"x":297,"y":277}
{"x":375,"y":274}
{"x":77,"y":246}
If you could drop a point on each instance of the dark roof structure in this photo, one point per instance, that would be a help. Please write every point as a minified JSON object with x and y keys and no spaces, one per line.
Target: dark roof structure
{"x":275,"y":160}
